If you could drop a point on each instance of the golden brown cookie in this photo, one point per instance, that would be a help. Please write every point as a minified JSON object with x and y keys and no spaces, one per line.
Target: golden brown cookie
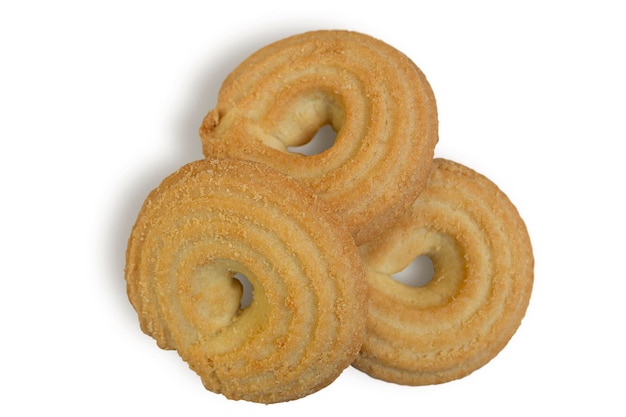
{"x":374,"y":97}
{"x":483,"y":276}
{"x":213,"y":219}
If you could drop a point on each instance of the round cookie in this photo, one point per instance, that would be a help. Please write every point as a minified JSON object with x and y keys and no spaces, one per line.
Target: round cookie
{"x":213,"y":219}
{"x":374,"y":97}
{"x":483,"y":276}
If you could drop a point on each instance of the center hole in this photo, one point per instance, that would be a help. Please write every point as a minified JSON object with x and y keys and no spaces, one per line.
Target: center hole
{"x":323,"y":139}
{"x":418,"y":273}
{"x":246,"y":297}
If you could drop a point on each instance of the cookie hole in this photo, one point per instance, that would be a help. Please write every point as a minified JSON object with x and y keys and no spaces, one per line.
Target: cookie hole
{"x":246,"y":297}
{"x":418,"y":273}
{"x":323,"y":140}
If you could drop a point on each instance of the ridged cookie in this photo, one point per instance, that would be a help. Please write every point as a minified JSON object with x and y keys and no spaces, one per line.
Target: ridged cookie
{"x":483,"y":277}
{"x":374,"y":97}
{"x":213,"y":219}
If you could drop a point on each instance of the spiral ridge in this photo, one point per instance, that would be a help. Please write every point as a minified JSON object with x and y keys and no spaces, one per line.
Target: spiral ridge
{"x":479,"y":293}
{"x":375,"y":98}
{"x":214,"y":219}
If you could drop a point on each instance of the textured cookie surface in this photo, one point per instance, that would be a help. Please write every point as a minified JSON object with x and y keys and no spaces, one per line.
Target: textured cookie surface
{"x":214,"y":219}
{"x":374,"y":97}
{"x":483,"y":276}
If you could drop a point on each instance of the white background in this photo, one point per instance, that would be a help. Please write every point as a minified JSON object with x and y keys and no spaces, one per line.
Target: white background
{"x":101,"y":100}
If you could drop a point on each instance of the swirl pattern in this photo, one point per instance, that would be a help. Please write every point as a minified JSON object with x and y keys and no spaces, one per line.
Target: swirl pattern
{"x":479,"y":293}
{"x":213,"y":219}
{"x":374,"y":97}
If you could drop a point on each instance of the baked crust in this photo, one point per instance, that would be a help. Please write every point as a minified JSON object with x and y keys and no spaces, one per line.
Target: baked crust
{"x":466,"y":314}
{"x":375,"y":98}
{"x":215,"y":218}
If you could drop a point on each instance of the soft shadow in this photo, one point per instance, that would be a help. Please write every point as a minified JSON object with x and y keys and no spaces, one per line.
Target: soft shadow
{"x":221,"y":60}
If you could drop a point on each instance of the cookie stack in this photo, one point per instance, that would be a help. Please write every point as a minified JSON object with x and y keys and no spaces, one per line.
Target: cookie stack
{"x":319,"y":237}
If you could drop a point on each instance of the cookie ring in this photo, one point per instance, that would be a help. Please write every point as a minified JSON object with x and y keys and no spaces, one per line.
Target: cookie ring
{"x":212,"y":219}
{"x":466,"y":314}
{"x":375,"y":98}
